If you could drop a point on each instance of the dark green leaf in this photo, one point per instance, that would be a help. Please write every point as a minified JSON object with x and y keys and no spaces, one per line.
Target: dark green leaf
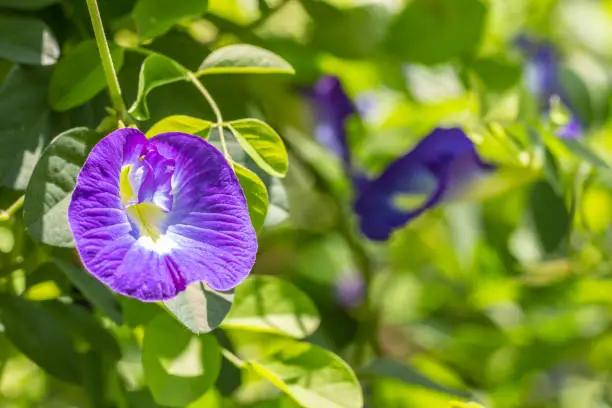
{"x":37,"y":333}
{"x":98,"y":294}
{"x":200,"y":308}
{"x":255,"y":193}
{"x":244,"y":59}
{"x":181,"y":123}
{"x":387,"y":368}
{"x":79,"y":76}
{"x":156,"y":70}
{"x":50,"y":188}
{"x":498,"y":73}
{"x":263,"y":144}
{"x":179,"y":366}
{"x":435,"y":31}
{"x":550,"y":216}
{"x":270,"y":305}
{"x":24,"y":124}
{"x":27,"y":41}
{"x":156,"y":17}
{"x":26,"y":4}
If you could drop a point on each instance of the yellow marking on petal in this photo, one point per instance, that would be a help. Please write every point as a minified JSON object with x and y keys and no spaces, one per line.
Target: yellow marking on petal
{"x":148,"y":217}
{"x":409,"y":202}
{"x":125,"y":188}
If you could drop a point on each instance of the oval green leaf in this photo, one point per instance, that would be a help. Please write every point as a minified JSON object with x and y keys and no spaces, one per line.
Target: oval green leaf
{"x":270,"y":305}
{"x":50,"y":188}
{"x":244,"y":59}
{"x":156,"y":17}
{"x":156,"y":70}
{"x":27,"y":41}
{"x":200,"y":308}
{"x":181,"y":123}
{"x":178,"y":366}
{"x":263,"y":144}
{"x":37,"y":334}
{"x":255,"y":193}
{"x":24,"y":124}
{"x":98,"y":294}
{"x":79,"y":76}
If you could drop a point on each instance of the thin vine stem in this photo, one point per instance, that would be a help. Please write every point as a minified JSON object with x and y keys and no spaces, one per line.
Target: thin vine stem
{"x":114,"y":89}
{"x":213,"y":105}
{"x":6,"y":215}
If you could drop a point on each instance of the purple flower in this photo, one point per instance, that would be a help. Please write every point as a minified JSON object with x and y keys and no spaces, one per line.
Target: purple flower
{"x":440,"y":167}
{"x":149,"y":217}
{"x":350,"y":289}
{"x":542,"y":79}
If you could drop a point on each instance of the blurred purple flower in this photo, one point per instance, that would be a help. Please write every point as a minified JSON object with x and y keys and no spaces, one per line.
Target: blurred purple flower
{"x":439,"y":168}
{"x":149,"y":217}
{"x":542,"y":79}
{"x":350,"y":290}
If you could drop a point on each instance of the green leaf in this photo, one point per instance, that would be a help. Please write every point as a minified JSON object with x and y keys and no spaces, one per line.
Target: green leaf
{"x":310,"y":375}
{"x":37,"y":334}
{"x":263,"y":144}
{"x":156,"y":17}
{"x":50,"y":188}
{"x":27,"y":41}
{"x":81,"y":323}
{"x":24,"y":124}
{"x":98,"y":294}
{"x":255,"y":193}
{"x":584,"y":152}
{"x":432,"y":32}
{"x":387,"y":368}
{"x":550,"y":216}
{"x":244,"y":59}
{"x":26,"y":4}
{"x":270,"y":305}
{"x":181,"y":123}
{"x":179,"y":366}
{"x":156,"y":70}
{"x":79,"y":76}
{"x":200,"y":308}
{"x":497,"y":73}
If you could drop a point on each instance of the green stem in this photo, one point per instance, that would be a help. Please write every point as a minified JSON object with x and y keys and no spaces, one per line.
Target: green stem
{"x":213,"y":105}
{"x":107,"y":62}
{"x":6,"y":215}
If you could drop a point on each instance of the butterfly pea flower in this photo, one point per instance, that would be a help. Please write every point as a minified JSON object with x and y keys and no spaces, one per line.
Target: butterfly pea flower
{"x":151,"y":216}
{"x":441,"y":167}
{"x":542,"y":70}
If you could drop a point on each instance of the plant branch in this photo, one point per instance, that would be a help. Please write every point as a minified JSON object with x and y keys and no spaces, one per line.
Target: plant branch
{"x":107,"y":62}
{"x":6,"y":215}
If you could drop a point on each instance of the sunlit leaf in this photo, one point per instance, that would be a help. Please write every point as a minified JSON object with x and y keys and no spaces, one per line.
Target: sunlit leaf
{"x":244,"y":59}
{"x":270,"y":305}
{"x":181,"y":123}
{"x":27,"y":41}
{"x":179,"y":366}
{"x":156,"y":17}
{"x":255,"y":193}
{"x":156,"y":70}
{"x":263,"y":144}
{"x":49,"y":191}
{"x":200,"y":308}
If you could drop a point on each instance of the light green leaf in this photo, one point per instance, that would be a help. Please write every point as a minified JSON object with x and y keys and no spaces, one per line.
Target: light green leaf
{"x":388,"y":368}
{"x":263,"y":144}
{"x":37,"y":334}
{"x":24,"y":124}
{"x":581,"y":150}
{"x":432,"y":32}
{"x":156,"y":17}
{"x":79,"y":76}
{"x":156,"y":70}
{"x":181,"y":123}
{"x":26,"y":4}
{"x":200,"y":308}
{"x":179,"y":366}
{"x":244,"y":59}
{"x":310,"y":375}
{"x":255,"y":193}
{"x":270,"y":305}
{"x":98,"y":294}
{"x":27,"y":41}
{"x":50,"y":188}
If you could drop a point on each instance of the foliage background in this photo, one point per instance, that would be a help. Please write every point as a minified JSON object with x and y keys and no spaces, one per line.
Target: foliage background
{"x":505,"y":301}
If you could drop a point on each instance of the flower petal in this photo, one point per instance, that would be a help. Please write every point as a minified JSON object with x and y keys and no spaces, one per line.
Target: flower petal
{"x":439,"y":167}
